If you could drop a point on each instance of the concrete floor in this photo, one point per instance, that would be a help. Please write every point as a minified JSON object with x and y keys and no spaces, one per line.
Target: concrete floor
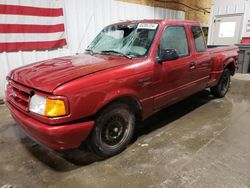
{"x":200,"y":142}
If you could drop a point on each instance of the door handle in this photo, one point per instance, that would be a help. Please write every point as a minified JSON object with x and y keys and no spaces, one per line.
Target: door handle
{"x":192,"y":65}
{"x":145,"y":81}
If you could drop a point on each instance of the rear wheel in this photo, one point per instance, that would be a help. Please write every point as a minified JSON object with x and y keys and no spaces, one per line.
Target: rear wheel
{"x":114,"y":128}
{"x":223,"y":85}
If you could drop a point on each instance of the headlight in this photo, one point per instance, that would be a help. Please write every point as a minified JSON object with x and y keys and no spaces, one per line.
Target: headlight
{"x":47,"y":107}
{"x":37,"y":104}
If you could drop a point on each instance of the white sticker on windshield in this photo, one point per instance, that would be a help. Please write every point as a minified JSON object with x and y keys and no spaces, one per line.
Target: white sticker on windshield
{"x":147,"y":26}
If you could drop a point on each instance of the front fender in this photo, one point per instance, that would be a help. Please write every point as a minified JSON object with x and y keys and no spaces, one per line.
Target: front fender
{"x":116,"y":95}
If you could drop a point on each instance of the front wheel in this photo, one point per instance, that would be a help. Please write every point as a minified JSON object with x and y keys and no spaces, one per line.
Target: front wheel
{"x":114,"y":128}
{"x":223,"y":85}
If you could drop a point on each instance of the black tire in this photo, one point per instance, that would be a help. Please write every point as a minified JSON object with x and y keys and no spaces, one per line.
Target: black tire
{"x":223,"y":85}
{"x":114,"y":128}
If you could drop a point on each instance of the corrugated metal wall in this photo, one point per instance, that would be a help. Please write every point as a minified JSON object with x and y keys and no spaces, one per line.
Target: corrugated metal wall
{"x":83,"y":20}
{"x":230,"y":7}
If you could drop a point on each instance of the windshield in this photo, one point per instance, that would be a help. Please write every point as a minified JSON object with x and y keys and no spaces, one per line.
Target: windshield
{"x":130,"y":40}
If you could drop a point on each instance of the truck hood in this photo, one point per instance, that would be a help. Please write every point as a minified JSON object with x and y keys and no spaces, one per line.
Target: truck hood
{"x":47,"y":75}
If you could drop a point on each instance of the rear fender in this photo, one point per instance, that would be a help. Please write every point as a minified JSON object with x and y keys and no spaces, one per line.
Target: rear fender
{"x":231,"y":64}
{"x":220,"y":62}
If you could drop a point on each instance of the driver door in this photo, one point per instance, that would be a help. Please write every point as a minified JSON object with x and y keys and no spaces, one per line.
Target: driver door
{"x":174,"y":75}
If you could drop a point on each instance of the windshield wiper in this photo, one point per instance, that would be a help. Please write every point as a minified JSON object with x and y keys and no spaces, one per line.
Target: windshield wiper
{"x":116,"y":52}
{"x":89,"y":50}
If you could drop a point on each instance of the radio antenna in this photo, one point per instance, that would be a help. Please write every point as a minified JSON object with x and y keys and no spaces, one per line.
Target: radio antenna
{"x":84,"y":34}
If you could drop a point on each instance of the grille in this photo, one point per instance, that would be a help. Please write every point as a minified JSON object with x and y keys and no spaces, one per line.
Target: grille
{"x":19,"y":95}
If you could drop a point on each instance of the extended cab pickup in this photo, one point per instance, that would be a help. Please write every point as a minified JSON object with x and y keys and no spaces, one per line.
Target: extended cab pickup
{"x":131,"y":70}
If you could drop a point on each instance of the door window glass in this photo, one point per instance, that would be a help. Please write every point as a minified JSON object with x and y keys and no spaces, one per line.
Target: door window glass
{"x":174,"y":37}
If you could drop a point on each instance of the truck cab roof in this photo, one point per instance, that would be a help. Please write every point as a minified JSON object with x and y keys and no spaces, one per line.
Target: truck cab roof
{"x":161,"y":21}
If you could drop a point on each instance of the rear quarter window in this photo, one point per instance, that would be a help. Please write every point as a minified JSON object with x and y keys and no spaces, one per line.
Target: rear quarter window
{"x":198,"y":39}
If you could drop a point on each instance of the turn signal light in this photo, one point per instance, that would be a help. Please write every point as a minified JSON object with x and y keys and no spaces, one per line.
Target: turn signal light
{"x":54,"y":108}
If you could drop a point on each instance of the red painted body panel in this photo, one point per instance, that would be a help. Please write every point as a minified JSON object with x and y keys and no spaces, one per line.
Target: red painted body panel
{"x":55,"y":137}
{"x":47,"y":75}
{"x":90,"y":82}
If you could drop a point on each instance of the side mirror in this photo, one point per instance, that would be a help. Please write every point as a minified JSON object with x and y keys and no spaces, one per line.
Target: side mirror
{"x":167,"y":55}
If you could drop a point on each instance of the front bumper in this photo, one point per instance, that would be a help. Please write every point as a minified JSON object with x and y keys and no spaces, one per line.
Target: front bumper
{"x":60,"y":137}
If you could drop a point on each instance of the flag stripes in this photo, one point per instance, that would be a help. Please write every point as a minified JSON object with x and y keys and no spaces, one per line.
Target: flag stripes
{"x":22,"y":28}
{"x":31,"y":25}
{"x":24,"y":46}
{"x":32,"y":11}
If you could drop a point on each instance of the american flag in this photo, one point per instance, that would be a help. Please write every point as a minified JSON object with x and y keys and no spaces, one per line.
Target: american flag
{"x":31,"y":25}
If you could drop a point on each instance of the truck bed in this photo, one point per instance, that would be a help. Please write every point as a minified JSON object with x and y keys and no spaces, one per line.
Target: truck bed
{"x":214,"y":49}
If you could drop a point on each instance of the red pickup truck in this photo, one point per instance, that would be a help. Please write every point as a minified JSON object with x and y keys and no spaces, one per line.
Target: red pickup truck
{"x":130,"y":71}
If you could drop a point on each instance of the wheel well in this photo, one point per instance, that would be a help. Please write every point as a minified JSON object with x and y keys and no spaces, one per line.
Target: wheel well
{"x":131,"y":102}
{"x":231,"y":68}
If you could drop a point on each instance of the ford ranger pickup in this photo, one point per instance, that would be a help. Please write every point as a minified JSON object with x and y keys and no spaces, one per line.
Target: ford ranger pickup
{"x":130,"y":71}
